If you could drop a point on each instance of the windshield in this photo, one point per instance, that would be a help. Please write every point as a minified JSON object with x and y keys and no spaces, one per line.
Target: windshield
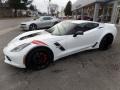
{"x":36,"y":18}
{"x":62,"y":28}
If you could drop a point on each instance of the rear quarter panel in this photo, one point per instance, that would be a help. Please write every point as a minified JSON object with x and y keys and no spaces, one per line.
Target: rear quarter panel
{"x":111,"y":28}
{"x":108,"y":28}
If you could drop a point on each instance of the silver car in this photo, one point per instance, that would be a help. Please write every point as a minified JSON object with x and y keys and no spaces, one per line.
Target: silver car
{"x":42,"y":22}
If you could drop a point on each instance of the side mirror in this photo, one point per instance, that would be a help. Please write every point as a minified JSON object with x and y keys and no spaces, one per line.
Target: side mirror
{"x":78,"y":33}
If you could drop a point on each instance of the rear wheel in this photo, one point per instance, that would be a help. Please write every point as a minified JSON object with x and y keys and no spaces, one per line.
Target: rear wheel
{"x":38,"y":58}
{"x":106,"y":42}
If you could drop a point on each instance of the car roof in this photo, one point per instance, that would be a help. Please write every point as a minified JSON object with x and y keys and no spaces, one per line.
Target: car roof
{"x":80,"y":21}
{"x":46,"y":16}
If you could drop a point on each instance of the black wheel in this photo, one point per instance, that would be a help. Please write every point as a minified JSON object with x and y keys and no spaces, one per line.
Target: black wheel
{"x":38,"y":59}
{"x":33,"y":27}
{"x":106,"y":42}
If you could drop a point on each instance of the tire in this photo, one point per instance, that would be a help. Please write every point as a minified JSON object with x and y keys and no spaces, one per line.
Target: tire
{"x":33,"y":27}
{"x":39,"y":58}
{"x":106,"y":42}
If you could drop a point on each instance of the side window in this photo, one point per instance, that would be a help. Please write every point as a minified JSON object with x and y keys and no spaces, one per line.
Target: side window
{"x":74,"y":30}
{"x":90,"y":26}
{"x":47,"y":18}
{"x":82,"y":27}
{"x":50,"y":18}
{"x":86,"y":26}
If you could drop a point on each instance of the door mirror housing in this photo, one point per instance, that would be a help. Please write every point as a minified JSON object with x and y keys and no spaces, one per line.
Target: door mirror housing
{"x":78,"y":33}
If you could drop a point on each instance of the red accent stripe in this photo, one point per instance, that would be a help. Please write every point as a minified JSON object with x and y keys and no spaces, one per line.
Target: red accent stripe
{"x":38,"y":42}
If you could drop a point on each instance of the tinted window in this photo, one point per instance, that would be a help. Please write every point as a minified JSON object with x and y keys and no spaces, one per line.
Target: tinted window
{"x":83,"y":27}
{"x":67,"y":28}
{"x":87,"y":26}
{"x":90,"y":26}
{"x":74,"y":30}
{"x":47,"y":18}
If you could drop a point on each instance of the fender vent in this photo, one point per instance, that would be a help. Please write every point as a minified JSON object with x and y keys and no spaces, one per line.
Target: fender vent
{"x":29,"y":36}
{"x":59,"y":46}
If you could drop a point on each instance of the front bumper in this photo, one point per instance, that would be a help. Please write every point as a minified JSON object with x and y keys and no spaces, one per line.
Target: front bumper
{"x":24,"y":27}
{"x":14,"y":58}
{"x":7,"y":61}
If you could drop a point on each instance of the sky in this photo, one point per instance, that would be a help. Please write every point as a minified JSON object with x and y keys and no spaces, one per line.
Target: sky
{"x":43,"y":4}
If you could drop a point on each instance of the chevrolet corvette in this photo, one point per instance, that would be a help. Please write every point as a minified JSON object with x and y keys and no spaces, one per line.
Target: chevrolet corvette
{"x":37,"y":49}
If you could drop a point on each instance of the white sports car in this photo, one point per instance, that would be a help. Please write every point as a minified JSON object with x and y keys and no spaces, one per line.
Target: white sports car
{"x":37,"y":49}
{"x":42,"y":22}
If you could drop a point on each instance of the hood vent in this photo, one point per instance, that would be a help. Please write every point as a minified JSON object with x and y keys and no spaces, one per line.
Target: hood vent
{"x":29,"y":36}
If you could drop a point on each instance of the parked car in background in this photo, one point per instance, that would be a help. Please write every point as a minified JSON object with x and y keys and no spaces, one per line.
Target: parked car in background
{"x":37,"y":49}
{"x":65,"y":18}
{"x":41,"y":22}
{"x":85,"y":17}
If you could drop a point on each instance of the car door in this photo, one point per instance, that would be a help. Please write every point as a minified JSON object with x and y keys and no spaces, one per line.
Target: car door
{"x":92,"y":33}
{"x":51,"y":21}
{"x":46,"y":22}
{"x":81,"y":42}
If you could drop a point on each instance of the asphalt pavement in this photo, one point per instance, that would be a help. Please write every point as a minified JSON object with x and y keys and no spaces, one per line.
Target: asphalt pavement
{"x":89,"y":70}
{"x":11,"y":23}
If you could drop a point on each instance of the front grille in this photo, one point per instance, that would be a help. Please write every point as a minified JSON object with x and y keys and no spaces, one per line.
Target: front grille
{"x":23,"y":24}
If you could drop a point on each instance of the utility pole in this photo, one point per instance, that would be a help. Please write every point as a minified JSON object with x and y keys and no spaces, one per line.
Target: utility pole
{"x":1,"y":3}
{"x":49,"y":7}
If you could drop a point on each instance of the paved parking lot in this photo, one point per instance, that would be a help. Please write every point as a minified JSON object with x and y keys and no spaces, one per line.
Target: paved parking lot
{"x":89,"y":70}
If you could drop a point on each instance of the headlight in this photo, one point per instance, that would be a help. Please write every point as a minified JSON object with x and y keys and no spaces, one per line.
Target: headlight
{"x":20,"y":47}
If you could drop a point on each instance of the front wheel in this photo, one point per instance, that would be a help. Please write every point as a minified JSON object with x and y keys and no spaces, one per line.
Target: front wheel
{"x":33,"y":27}
{"x":38,"y":59}
{"x":55,"y":23}
{"x":106,"y":42}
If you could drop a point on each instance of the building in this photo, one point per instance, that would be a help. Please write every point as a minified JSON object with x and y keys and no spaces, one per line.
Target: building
{"x":99,"y":10}
{"x":5,"y":11}
{"x":53,"y":9}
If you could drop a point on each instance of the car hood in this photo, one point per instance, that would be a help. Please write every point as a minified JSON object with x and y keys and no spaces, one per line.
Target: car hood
{"x":29,"y":22}
{"x":30,"y":36}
